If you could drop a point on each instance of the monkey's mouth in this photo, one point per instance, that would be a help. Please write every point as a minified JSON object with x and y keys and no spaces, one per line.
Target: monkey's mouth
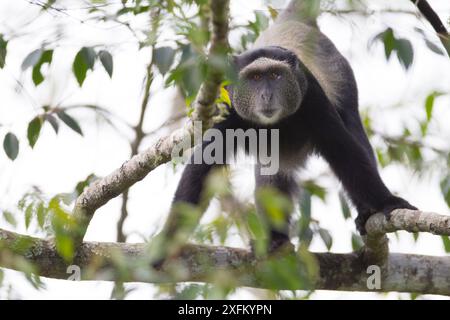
{"x":268,"y":115}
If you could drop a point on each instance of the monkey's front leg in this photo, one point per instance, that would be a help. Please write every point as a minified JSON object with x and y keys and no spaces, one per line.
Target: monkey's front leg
{"x":351,"y":163}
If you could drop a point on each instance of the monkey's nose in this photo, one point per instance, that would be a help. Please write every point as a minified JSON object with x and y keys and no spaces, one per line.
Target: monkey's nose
{"x":266,"y":97}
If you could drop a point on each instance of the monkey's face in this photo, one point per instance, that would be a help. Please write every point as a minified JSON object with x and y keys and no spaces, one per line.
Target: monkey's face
{"x":267,"y":91}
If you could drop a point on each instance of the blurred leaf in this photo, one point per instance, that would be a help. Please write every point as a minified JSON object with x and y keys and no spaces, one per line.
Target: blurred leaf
{"x":190,"y":292}
{"x":315,"y":190}
{"x":28,"y":215}
{"x":433,"y":47}
{"x":260,"y":24}
{"x":84,"y":183}
{"x":34,"y":129}
{"x":9,"y":217}
{"x":69,"y":121}
{"x":163,"y":58}
{"x":326,"y":238}
{"x":446,"y":242}
{"x":53,"y":122}
{"x":402,"y":47}
{"x":429,"y":103}
{"x":11,"y":145}
{"x":62,"y":222}
{"x":224,"y":96}
{"x":107,"y":61}
{"x":357,"y":242}
{"x":344,"y":206}
{"x":305,"y":204}
{"x":46,"y":57}
{"x":388,"y":39}
{"x":405,"y":52}
{"x":189,"y":73}
{"x":273,"y":12}
{"x":41,"y":214}
{"x":256,"y":226}
{"x":275,"y":204}
{"x":31,"y":59}
{"x":445,"y":188}
{"x":84,"y":60}
{"x":3,"y":50}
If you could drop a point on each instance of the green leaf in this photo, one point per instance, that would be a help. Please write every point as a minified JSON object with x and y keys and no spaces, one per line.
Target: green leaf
{"x":84,"y":60}
{"x":163,"y":58}
{"x":256,"y":226}
{"x":28,"y":215}
{"x":53,"y":122}
{"x":89,"y":56}
{"x":273,"y":12}
{"x":3,"y":45}
{"x":357,"y":242}
{"x":405,"y":52}
{"x":46,"y":57}
{"x":429,"y":103}
{"x":388,"y":39}
{"x":31,"y":59}
{"x":41,"y":213}
{"x":69,"y":121}
{"x":107,"y":61}
{"x":315,"y":190}
{"x":344,"y":206}
{"x":9,"y":217}
{"x":305,"y":204}
{"x":326,"y":238}
{"x":11,"y":145}
{"x":445,"y":188}
{"x":34,"y":129}
{"x":446,"y":242}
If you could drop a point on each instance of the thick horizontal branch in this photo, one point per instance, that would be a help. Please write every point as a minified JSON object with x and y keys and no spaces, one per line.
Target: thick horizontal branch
{"x":402,"y":272}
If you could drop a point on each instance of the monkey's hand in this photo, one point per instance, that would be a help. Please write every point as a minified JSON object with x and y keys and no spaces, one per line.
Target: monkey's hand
{"x":389,"y":205}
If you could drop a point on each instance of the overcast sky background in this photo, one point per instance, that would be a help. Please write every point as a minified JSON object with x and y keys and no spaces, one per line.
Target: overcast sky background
{"x":58,"y":162}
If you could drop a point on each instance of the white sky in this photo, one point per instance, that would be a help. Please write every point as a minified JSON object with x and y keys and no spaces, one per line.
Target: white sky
{"x":58,"y":162}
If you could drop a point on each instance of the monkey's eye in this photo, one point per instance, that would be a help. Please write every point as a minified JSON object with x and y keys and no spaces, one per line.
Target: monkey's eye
{"x":275,"y":75}
{"x":256,"y":76}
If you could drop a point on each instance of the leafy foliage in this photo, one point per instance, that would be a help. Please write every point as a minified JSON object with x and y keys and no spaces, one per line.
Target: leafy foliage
{"x":11,"y":145}
{"x":402,"y":47}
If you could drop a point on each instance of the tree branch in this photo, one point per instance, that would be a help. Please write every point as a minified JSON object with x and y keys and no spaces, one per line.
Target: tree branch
{"x":140,"y":165}
{"x":376,"y":242}
{"x":98,"y":261}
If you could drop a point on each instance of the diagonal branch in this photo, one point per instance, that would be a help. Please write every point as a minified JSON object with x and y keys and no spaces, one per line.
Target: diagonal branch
{"x":141,"y":164}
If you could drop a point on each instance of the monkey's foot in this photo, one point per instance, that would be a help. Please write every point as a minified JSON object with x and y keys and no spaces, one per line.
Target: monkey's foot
{"x":390,"y":205}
